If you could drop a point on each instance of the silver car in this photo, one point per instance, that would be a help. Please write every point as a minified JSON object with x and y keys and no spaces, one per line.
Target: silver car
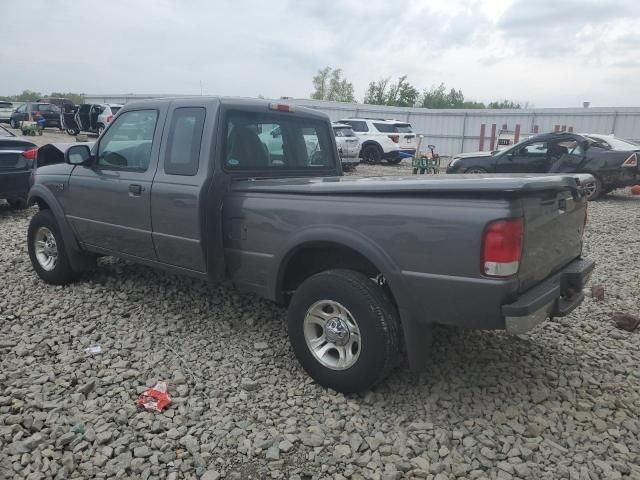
{"x":6,"y":108}
{"x":348,"y":145}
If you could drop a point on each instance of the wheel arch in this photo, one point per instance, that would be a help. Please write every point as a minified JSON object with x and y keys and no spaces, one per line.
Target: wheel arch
{"x":347,"y":248}
{"x":38,"y":195}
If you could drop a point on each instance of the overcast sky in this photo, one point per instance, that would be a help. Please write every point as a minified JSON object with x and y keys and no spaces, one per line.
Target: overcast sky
{"x":546,"y":52}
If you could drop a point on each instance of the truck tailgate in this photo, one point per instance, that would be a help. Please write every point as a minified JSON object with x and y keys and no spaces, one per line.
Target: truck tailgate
{"x":553,"y":229}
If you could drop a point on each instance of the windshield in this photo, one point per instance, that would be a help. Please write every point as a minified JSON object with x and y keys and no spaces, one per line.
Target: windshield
{"x":614,"y":143}
{"x":403,"y":128}
{"x":48,"y":107}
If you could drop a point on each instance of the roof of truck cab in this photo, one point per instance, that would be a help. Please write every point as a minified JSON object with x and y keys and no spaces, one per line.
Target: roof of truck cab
{"x":239,"y":102}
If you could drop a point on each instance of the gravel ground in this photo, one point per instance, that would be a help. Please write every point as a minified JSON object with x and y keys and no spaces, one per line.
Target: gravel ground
{"x":560,"y":402}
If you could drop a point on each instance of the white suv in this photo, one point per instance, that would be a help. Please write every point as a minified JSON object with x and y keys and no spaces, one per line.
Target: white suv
{"x":381,"y":139}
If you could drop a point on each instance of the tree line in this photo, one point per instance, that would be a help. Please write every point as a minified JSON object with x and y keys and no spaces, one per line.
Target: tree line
{"x":33,"y":96}
{"x":329,"y":84}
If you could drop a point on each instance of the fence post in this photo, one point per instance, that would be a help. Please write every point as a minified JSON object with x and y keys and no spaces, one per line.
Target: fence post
{"x":493,"y":137}
{"x":482,"y":129}
{"x":516,"y":136}
{"x":536,"y":128}
{"x":464,"y":131}
{"x":615,"y":121}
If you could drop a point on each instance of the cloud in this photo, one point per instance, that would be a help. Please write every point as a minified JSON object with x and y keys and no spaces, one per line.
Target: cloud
{"x":541,"y":51}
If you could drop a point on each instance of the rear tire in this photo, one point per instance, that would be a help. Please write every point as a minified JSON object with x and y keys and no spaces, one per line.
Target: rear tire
{"x":47,"y":250}
{"x":371,"y":154}
{"x":344,"y":330}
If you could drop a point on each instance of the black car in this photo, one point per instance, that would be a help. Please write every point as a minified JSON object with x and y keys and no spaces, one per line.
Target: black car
{"x":17,"y":159}
{"x":37,"y":110}
{"x":559,"y":152}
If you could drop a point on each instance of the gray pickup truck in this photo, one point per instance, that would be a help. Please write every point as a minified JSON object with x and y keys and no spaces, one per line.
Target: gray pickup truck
{"x":365,"y":265}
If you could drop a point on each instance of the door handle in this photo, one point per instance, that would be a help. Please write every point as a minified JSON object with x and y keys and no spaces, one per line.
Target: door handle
{"x":135,"y":189}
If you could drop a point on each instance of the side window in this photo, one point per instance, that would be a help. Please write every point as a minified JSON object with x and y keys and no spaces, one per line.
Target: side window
{"x":358,"y":126}
{"x":257,"y":141}
{"x":183,"y":144}
{"x":126,"y":145}
{"x":537,"y":149}
{"x":84,"y":109}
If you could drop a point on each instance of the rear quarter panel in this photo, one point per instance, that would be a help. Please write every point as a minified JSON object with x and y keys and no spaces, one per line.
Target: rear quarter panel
{"x":425,"y":246}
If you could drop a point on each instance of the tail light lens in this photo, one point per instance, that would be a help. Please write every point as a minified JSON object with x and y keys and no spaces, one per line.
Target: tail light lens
{"x":631,"y":161}
{"x":30,"y":154}
{"x":109,"y":117}
{"x":281,"y":107}
{"x":502,"y":247}
{"x":394,"y":138}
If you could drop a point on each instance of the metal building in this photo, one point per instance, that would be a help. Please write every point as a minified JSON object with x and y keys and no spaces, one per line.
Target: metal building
{"x":455,"y":130}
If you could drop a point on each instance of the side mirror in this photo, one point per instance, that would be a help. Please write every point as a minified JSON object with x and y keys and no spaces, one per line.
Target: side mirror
{"x":78,"y":155}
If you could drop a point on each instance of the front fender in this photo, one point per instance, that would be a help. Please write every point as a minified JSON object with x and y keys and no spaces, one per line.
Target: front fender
{"x":46,"y":199}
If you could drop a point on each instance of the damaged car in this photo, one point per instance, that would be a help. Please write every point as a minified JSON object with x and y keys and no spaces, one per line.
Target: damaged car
{"x":561,"y":152}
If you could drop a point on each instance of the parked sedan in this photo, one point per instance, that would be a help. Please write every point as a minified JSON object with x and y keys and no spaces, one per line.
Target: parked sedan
{"x":560,"y":152}
{"x":36,"y":110}
{"x":17,"y":157}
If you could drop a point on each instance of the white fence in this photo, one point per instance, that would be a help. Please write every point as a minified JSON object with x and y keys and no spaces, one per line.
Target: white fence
{"x":454,"y":130}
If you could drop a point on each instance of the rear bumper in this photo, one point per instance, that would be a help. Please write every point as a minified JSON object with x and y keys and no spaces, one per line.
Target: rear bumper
{"x":14,"y":185}
{"x":350,"y":160}
{"x":557,"y":296}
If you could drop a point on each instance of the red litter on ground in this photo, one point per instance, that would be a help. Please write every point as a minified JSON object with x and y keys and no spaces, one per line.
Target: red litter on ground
{"x":156,"y":399}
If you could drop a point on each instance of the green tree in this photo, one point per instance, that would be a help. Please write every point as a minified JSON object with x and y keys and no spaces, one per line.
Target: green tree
{"x":505,"y":104}
{"x":377,"y":92}
{"x":27,"y":96}
{"x":328,"y":84}
{"x":399,"y":94}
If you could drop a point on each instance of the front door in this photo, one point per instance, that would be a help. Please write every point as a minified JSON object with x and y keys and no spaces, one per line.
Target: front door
{"x":109,"y":202}
{"x":524,"y":158}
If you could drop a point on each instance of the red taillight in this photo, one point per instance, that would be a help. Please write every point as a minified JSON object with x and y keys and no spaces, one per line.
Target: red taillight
{"x":30,"y":154}
{"x":502,"y":247}
{"x":109,"y":117}
{"x":281,"y":107}
{"x":631,"y":161}
{"x":394,"y":138}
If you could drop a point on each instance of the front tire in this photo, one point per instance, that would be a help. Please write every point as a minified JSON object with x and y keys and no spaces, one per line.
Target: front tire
{"x":100,"y":129}
{"x":475,"y":170}
{"x":344,"y":330}
{"x":371,"y":154}
{"x":593,"y":189}
{"x":47,"y":251}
